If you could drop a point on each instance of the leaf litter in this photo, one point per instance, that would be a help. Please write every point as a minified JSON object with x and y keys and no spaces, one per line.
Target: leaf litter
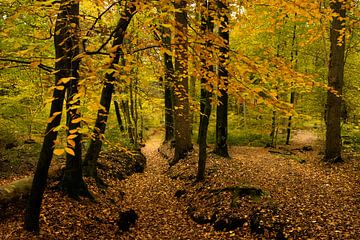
{"x":299,"y":200}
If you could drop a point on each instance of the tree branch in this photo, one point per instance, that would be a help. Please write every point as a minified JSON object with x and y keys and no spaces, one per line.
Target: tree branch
{"x":40,"y":65}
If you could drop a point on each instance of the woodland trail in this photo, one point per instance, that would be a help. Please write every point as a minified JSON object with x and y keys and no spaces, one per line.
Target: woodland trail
{"x":311,"y":197}
{"x":152,"y":195}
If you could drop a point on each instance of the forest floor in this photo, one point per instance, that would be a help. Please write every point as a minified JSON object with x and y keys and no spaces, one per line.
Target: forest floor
{"x":258,"y":193}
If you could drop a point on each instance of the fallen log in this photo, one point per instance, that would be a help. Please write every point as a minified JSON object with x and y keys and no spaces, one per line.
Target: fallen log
{"x":21,"y":188}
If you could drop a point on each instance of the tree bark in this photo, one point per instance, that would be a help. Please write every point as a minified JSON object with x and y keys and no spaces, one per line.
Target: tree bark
{"x":130,"y":128}
{"x":207,"y":26}
{"x":336,"y":82}
{"x":168,"y":80}
{"x":294,"y":60}
{"x":221,"y":148}
{"x":68,"y":10}
{"x":118,"y":116}
{"x":94,"y":149}
{"x":182,"y":121}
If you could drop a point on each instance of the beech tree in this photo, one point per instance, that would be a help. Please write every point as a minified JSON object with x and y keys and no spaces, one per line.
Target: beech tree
{"x":336,"y":82}
{"x":221,"y":148}
{"x":182,"y":121}
{"x":66,"y":70}
{"x":207,"y":27}
{"x":94,"y":148}
{"x":168,"y":81}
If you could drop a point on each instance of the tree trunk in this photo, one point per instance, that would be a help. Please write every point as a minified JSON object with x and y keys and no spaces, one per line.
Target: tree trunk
{"x":130,"y":127}
{"x":294,"y":60}
{"x":274,"y":129}
{"x":62,"y":31}
{"x":72,"y":182}
{"x":221,"y":148}
{"x":292,"y":101}
{"x":106,"y":94}
{"x":168,"y":79}
{"x":182,"y":119}
{"x":207,"y":26}
{"x":336,"y":82}
{"x":118,"y":116}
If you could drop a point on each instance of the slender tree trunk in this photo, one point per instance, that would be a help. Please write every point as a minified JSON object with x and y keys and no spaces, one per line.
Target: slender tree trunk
{"x":273,"y":133}
{"x":141,"y":133}
{"x":168,"y":80}
{"x":221,"y":147}
{"x":118,"y":116}
{"x":292,"y":101}
{"x":182,"y":121}
{"x":132,"y":107}
{"x":130,"y":128}
{"x":293,"y":58}
{"x":106,"y":94}
{"x":192,"y":91}
{"x":336,"y":82}
{"x":207,"y":26}
{"x":68,"y":10}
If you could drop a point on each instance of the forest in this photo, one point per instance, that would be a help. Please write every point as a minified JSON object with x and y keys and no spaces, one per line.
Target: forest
{"x":179,"y":119}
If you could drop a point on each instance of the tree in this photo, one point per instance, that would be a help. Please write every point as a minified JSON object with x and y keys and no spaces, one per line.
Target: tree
{"x":118,"y":116}
{"x":63,"y":41}
{"x":336,"y":82}
{"x":72,"y":182}
{"x":294,"y":60}
{"x":168,"y":80}
{"x":182,"y":121}
{"x":221,"y":148}
{"x":207,"y":26}
{"x":94,"y":148}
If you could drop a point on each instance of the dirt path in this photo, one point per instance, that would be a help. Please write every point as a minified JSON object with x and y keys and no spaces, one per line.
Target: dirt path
{"x":152,"y":196}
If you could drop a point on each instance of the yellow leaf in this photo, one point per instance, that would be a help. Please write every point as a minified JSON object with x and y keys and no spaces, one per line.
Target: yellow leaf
{"x":72,"y":136}
{"x":73,"y":131}
{"x":70,"y":151}
{"x":65,"y":80}
{"x":60,"y":88}
{"x":76,"y":120}
{"x":58,"y":151}
{"x":71,"y":142}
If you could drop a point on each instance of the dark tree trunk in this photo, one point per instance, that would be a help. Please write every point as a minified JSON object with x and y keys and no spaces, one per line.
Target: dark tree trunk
{"x":292,"y":101}
{"x":207,"y":26}
{"x":72,"y":182}
{"x":68,"y":9}
{"x":273,"y":133}
{"x":118,"y":116}
{"x":221,"y":147}
{"x":336,"y":82}
{"x":132,"y":106}
{"x":168,"y":79}
{"x":130,"y":127}
{"x":182,"y":119}
{"x":294,"y":60}
{"x":106,"y":94}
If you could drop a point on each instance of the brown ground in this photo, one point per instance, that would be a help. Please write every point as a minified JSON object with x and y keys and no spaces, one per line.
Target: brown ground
{"x":304,"y":198}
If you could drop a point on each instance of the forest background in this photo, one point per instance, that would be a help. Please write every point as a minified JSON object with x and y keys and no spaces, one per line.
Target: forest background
{"x":275,"y":60}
